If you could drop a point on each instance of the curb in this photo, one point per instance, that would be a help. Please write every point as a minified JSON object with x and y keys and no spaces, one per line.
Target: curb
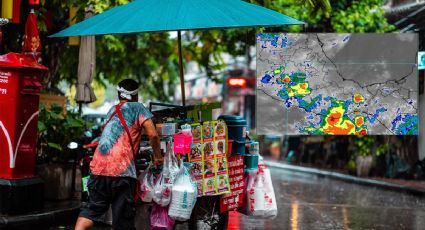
{"x":348,"y":178}
{"x":47,"y":218}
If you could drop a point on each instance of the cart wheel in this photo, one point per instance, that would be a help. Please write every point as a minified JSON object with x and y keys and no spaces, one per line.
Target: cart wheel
{"x":206,"y":215}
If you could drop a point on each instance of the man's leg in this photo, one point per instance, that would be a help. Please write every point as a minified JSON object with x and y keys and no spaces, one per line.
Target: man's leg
{"x":83,"y":223}
{"x":123,"y":204}
{"x":99,"y":200}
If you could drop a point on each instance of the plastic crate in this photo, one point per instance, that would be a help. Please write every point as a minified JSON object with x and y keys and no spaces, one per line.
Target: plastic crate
{"x":166,"y":129}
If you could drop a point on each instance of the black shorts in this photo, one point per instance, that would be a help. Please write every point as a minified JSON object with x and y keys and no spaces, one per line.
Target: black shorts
{"x":115,"y":191}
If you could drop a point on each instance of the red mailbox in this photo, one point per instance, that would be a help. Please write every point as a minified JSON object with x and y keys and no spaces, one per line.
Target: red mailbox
{"x":20,"y":87}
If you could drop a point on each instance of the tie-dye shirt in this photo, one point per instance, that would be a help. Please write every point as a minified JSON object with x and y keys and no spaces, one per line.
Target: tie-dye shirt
{"x":114,"y":156}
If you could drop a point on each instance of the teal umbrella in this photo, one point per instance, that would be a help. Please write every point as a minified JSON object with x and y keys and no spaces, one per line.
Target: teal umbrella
{"x":177,"y":15}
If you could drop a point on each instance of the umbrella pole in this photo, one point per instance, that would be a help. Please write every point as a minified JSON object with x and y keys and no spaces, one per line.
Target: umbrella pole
{"x":179,"y":38}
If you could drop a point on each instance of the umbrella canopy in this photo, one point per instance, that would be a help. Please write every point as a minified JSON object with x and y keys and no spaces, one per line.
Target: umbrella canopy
{"x":86,"y":66}
{"x":173,"y":15}
{"x":177,"y":15}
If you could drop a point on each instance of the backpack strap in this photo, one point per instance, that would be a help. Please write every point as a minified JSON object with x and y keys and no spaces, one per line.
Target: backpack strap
{"x":113,"y":114}
{"x":123,"y":123}
{"x":127,"y":130}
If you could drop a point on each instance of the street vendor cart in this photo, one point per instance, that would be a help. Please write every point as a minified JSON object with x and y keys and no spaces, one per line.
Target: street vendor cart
{"x":212,"y":165}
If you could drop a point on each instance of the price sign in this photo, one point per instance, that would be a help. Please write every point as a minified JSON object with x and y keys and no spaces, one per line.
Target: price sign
{"x":235,"y":199}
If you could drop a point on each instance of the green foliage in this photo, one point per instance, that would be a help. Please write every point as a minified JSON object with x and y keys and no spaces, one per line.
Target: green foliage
{"x":385,"y":147}
{"x":55,"y":132}
{"x":151,"y":58}
{"x":351,"y":165}
{"x":323,"y":6}
{"x":347,"y":16}
{"x":364,"y":16}
{"x":363,"y":145}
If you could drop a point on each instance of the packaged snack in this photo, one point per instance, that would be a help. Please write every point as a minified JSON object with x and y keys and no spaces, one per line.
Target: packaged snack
{"x":209,"y":185}
{"x":207,"y":130}
{"x":223,"y":183}
{"x":196,"y":169}
{"x":221,"y":165}
{"x":208,"y":150}
{"x":220,"y":129}
{"x":220,"y":147}
{"x":196,"y":132}
{"x":196,"y":152}
{"x":209,"y":167}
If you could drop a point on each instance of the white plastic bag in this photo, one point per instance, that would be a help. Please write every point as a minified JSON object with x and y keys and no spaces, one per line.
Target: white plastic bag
{"x":270,"y":209}
{"x":184,"y":195}
{"x":146,"y":185}
{"x":255,"y":195}
{"x":261,"y":199}
{"x":164,"y":184}
{"x":162,"y":191}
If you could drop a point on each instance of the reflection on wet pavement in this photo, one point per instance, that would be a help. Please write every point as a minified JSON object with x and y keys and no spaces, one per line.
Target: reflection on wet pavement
{"x":308,"y":201}
{"x":312,"y":202}
{"x":294,"y":215}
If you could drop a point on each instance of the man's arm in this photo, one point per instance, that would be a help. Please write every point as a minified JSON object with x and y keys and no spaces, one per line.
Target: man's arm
{"x":154,"y":140}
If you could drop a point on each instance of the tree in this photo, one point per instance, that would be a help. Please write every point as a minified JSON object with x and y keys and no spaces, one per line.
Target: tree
{"x":349,"y":16}
{"x":151,"y":58}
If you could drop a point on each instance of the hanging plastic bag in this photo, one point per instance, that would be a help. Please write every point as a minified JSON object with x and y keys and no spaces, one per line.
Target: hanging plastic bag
{"x":171,"y":166}
{"x":164,"y":184}
{"x":162,"y":191}
{"x":261,"y":199}
{"x":255,"y":195}
{"x":184,"y":195}
{"x":159,"y":218}
{"x":250,"y":176}
{"x":146,"y":185}
{"x":270,"y":209}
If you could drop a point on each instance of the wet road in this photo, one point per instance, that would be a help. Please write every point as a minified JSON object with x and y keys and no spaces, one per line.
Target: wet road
{"x":308,"y":201}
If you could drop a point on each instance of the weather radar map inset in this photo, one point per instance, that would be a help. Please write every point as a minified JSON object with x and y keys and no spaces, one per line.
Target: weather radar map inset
{"x":337,"y":84}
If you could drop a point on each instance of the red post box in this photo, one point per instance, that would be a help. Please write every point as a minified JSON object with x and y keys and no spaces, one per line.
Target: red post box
{"x":20,"y":87}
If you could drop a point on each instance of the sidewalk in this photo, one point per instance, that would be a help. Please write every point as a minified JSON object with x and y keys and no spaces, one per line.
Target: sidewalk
{"x":59,"y":212}
{"x":412,"y":187}
{"x":409,"y":183}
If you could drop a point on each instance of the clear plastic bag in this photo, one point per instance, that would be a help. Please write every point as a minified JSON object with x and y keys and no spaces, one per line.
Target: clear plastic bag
{"x":162,"y":191}
{"x":184,"y":195}
{"x":171,"y":166}
{"x":164,"y":184}
{"x":159,"y":218}
{"x":146,"y":185}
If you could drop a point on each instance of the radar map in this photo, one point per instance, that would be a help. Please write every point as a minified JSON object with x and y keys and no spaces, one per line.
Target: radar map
{"x":337,"y":84}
